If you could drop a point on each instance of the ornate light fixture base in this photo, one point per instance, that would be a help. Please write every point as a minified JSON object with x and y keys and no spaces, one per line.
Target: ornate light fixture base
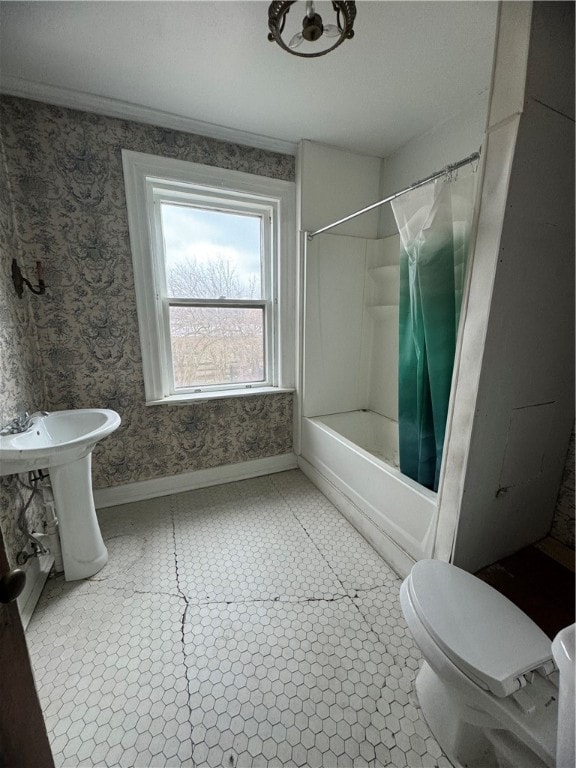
{"x":313,"y":27}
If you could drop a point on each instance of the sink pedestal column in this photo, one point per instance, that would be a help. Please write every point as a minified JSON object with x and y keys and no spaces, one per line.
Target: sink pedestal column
{"x":83,"y":550}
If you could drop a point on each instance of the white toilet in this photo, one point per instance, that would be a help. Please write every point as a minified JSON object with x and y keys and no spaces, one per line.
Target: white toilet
{"x":489,"y":686}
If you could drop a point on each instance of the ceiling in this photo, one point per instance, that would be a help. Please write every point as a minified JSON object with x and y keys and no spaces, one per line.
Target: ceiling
{"x":410,"y":66}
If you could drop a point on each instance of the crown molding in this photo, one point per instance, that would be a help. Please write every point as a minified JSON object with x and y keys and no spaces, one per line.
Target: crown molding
{"x":125,"y":110}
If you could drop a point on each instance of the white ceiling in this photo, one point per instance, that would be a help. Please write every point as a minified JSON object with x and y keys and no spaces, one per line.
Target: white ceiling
{"x":410,"y":66}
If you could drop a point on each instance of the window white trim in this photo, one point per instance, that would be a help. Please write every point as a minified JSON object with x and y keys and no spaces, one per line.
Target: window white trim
{"x":196,"y":196}
{"x":140,"y":172}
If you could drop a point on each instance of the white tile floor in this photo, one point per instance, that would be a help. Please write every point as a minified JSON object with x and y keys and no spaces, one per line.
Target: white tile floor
{"x":241,"y":625}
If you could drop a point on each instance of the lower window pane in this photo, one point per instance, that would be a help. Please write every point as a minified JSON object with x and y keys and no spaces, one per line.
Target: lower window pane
{"x":217,"y":345}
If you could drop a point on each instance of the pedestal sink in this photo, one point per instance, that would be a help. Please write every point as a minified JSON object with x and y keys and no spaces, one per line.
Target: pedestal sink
{"x":62,"y":442}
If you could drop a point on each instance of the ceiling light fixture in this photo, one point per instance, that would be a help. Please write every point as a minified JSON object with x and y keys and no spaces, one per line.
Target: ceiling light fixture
{"x":313,"y":27}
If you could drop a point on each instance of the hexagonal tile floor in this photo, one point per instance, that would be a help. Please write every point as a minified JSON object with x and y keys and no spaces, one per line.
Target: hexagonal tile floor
{"x":246,"y":624}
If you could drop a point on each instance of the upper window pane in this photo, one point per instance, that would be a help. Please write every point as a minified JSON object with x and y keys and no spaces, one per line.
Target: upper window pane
{"x":211,"y":254}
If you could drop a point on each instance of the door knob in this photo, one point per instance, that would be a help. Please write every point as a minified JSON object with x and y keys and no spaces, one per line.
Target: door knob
{"x":11,"y":585}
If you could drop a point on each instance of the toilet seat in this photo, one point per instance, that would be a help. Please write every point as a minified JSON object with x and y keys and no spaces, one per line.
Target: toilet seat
{"x":484,"y":634}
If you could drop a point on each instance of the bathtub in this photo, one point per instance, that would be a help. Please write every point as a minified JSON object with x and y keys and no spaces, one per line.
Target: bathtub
{"x":353,"y":459}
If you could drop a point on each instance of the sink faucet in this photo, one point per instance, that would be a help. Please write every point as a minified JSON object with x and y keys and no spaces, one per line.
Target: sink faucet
{"x":21,"y":423}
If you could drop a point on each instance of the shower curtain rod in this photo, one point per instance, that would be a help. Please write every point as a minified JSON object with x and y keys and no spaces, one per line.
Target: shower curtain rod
{"x":445,"y":171}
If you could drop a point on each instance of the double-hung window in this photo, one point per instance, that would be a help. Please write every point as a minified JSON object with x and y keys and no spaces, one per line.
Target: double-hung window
{"x":213,"y":256}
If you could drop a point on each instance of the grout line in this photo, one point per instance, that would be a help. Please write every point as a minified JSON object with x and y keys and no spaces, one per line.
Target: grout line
{"x":356,"y":590}
{"x":373,"y":626}
{"x":380,"y":640}
{"x":190,"y":603}
{"x":125,"y":589}
{"x":301,"y":524}
{"x":182,"y":625}
{"x":272,"y":600}
{"x":398,"y":661}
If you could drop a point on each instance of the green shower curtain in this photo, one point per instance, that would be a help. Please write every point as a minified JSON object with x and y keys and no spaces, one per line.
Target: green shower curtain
{"x":434,"y":224}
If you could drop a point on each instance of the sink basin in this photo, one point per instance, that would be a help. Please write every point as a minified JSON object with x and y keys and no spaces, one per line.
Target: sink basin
{"x":62,"y":442}
{"x":58,"y":438}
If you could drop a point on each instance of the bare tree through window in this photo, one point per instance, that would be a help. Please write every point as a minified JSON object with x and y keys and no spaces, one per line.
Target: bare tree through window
{"x":214,"y":345}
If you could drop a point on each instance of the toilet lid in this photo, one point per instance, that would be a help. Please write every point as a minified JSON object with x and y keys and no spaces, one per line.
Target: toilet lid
{"x":480,"y":630}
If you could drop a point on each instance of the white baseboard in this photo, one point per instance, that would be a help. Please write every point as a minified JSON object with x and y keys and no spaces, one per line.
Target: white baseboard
{"x":190,"y":481}
{"x":37,"y":570}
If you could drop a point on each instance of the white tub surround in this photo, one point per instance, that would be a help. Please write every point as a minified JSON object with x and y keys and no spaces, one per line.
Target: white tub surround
{"x":349,"y":428}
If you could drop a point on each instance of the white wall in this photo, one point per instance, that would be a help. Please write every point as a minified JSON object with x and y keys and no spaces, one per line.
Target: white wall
{"x":332,"y":184}
{"x":332,"y":380}
{"x":513,"y":407}
{"x":458,"y":137}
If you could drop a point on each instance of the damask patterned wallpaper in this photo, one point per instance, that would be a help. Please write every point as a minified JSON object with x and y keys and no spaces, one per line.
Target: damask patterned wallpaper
{"x":21,"y":372}
{"x":21,"y":385}
{"x":65,"y":172}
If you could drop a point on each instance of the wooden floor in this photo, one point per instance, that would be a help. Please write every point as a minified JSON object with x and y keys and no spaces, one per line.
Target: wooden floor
{"x":540,"y":580}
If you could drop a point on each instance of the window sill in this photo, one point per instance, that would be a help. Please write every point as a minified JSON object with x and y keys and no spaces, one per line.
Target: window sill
{"x":203,"y":397}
